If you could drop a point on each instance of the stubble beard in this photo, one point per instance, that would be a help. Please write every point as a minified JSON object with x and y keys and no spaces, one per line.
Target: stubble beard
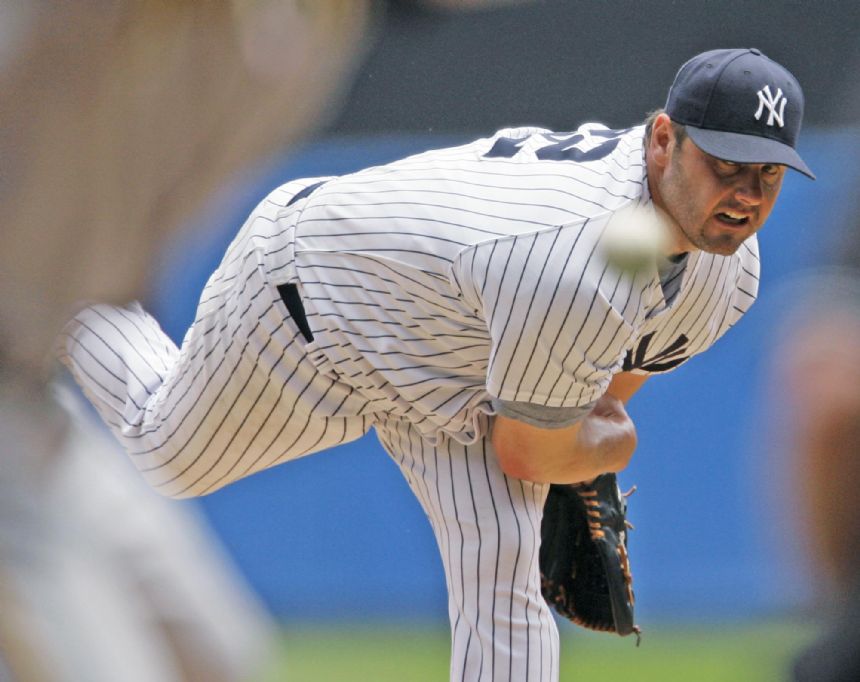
{"x":724,"y":244}
{"x":692,"y":225}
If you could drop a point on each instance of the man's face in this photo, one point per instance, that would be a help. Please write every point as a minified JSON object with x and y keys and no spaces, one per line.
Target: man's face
{"x":716,"y":204}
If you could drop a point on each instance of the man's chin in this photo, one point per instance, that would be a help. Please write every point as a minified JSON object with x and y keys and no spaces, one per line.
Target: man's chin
{"x":722,"y":244}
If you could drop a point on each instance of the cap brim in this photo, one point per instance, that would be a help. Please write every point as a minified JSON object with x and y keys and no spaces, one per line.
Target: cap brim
{"x":747,"y":148}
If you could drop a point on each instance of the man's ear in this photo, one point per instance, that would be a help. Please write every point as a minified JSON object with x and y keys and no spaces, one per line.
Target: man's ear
{"x":662,"y":143}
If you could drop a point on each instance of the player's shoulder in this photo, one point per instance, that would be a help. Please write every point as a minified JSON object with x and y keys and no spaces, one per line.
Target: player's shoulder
{"x":751,"y":248}
{"x":587,"y":129}
{"x":740,"y":269}
{"x":590,"y":142}
{"x":749,"y":257}
{"x":519,"y":132}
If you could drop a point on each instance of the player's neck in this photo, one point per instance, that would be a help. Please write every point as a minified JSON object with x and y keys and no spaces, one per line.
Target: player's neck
{"x":676,"y":244}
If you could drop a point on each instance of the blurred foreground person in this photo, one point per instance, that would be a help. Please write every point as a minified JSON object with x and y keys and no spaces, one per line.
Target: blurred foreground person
{"x":119,"y":119}
{"x":102,"y":579}
{"x":819,"y":371}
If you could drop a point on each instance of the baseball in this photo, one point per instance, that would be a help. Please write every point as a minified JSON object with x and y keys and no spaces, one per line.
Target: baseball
{"x":634,"y":237}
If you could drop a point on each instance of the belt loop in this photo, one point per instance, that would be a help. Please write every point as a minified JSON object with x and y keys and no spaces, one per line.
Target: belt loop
{"x":290,"y":296}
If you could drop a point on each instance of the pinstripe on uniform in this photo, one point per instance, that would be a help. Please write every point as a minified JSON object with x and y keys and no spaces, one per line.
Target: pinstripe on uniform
{"x":432,"y":286}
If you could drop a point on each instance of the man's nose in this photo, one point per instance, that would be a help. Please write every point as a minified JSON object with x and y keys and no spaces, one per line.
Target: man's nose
{"x":748,"y":190}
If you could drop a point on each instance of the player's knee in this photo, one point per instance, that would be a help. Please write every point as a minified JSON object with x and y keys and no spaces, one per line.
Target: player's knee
{"x":185,"y":487}
{"x":173,"y":489}
{"x":177,"y":483}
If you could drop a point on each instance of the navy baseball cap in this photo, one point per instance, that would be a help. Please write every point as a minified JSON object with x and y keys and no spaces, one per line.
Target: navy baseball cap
{"x":740,"y":106}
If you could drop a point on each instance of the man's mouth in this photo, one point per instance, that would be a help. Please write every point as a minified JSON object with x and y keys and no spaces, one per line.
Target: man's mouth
{"x":733,"y":218}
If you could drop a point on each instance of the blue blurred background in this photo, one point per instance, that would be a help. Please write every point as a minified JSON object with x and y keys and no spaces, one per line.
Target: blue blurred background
{"x":338,"y":535}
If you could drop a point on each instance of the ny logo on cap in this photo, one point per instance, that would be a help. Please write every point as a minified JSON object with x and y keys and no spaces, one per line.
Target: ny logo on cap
{"x":772,"y":102}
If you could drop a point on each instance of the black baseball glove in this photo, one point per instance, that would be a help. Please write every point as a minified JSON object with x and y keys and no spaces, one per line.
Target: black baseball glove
{"x":585,"y":572}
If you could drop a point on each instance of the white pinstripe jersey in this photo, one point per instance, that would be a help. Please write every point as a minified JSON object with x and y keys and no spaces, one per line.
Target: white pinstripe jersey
{"x":432,"y":286}
{"x":439,"y":281}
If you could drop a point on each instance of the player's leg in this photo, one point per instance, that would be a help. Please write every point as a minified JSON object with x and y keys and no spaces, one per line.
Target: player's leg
{"x":487,"y":527}
{"x":242,"y":394}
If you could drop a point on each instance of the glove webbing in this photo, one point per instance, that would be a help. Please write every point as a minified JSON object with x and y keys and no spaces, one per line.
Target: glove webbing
{"x":596,"y":525}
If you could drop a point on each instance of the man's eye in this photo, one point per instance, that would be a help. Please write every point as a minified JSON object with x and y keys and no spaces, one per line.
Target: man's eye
{"x":771,"y":174}
{"x":727,"y":167}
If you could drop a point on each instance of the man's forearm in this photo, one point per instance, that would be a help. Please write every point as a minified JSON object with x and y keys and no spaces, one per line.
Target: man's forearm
{"x":601,"y":442}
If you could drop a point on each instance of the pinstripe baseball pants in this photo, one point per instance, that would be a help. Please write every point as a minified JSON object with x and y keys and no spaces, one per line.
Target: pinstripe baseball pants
{"x":246,"y":392}
{"x":487,"y":527}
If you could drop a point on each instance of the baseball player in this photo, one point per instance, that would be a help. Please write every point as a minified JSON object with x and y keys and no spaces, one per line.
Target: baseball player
{"x":460,"y":303}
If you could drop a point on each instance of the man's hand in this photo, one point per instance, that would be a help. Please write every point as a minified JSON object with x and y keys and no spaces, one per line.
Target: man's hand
{"x":603,"y":441}
{"x":608,"y":433}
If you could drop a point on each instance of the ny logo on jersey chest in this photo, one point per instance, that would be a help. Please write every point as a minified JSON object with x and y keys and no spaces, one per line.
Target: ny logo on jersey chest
{"x":671,"y":357}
